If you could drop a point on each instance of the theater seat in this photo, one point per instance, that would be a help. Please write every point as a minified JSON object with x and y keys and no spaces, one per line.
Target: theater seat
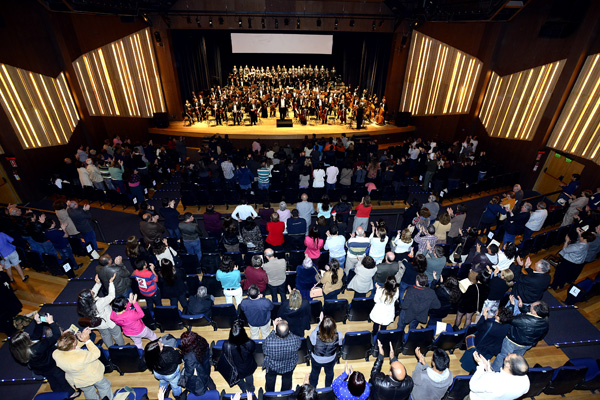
{"x":325,"y":394}
{"x":539,"y":378}
{"x":459,"y":389}
{"x":285,"y":395}
{"x":224,"y":315}
{"x":360,"y":308}
{"x":208,"y":395}
{"x":126,"y":359}
{"x":190,"y":320}
{"x":357,"y":345}
{"x":592,"y":376}
{"x":336,"y":309}
{"x":565,"y":379}
{"x":394,"y":336}
{"x":167,"y":318}
{"x":422,"y":338}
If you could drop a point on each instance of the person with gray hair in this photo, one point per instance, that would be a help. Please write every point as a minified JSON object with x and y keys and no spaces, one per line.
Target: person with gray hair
{"x":275,"y":269}
{"x":436,"y":261}
{"x":433,"y":206}
{"x":306,"y":210}
{"x":536,"y":221}
{"x":284,"y":213}
{"x":532,"y":285}
{"x":515,"y":224}
{"x":201,"y":303}
{"x":357,"y":246}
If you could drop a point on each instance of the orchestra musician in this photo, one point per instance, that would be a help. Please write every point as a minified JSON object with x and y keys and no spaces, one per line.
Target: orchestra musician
{"x":237,"y":111}
{"x":253,"y":112}
{"x":217,"y":111}
{"x":360,"y":111}
{"x":283,"y":105}
{"x":188,"y":112}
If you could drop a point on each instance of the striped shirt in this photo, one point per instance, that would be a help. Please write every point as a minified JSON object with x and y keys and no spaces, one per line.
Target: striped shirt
{"x":146,"y":282}
{"x":263,"y":175}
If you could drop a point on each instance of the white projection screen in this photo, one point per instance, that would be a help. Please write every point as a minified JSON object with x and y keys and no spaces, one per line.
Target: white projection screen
{"x":281,"y":43}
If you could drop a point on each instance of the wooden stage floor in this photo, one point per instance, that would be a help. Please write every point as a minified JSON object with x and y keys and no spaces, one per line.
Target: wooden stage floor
{"x":268,"y":128}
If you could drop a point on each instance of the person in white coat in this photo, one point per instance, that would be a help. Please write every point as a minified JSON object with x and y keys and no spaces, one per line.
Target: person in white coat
{"x":383,"y":313}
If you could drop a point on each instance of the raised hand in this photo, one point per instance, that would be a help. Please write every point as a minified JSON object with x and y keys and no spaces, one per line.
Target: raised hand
{"x":391,"y":350}
{"x":97,"y":279}
{"x":380,"y":347}
{"x":112,"y":278}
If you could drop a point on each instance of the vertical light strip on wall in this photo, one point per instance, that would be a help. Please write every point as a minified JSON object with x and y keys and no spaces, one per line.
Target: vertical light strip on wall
{"x":121,"y":78}
{"x":513,"y":105}
{"x":576,"y":130}
{"x":41,"y":109}
{"x":440,"y":79}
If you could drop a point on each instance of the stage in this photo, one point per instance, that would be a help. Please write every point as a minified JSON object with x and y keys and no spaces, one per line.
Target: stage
{"x":267,"y":129}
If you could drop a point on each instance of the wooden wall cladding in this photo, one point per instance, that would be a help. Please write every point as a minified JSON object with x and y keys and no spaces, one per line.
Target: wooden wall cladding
{"x":122,"y":78}
{"x":439,"y":79}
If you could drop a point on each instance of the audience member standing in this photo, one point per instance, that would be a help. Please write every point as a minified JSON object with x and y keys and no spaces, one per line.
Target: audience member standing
{"x":325,"y":340}
{"x":431,"y":382}
{"x":128,"y":314}
{"x":275,"y":269}
{"x":281,"y":355}
{"x":507,"y":384}
{"x":306,"y":210}
{"x":230,"y":277}
{"x":82,"y":219}
{"x":82,"y":368}
{"x":239,"y":351}
{"x":257,"y":310}
{"x":396,"y":385}
{"x":196,"y":361}
{"x":363,"y":211}
{"x":191,"y":233}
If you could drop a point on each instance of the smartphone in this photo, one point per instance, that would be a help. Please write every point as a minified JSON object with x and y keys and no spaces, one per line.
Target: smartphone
{"x":43,"y":319}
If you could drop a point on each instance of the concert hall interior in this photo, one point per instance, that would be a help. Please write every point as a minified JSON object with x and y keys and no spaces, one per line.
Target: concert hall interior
{"x":521,"y":78}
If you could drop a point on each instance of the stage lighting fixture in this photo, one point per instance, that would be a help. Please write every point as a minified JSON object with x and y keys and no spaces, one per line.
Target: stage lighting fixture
{"x":262,"y":21}
{"x":146,"y":19}
{"x":298,"y":23}
{"x":351,"y":23}
{"x":210,"y":22}
{"x":189,"y":19}
{"x":240,"y":22}
{"x":220,"y":20}
{"x":276,"y":23}
{"x":286,"y":21}
{"x":249,"y":23}
{"x":336,"y":24}
{"x":198,"y":22}
{"x":319,"y":22}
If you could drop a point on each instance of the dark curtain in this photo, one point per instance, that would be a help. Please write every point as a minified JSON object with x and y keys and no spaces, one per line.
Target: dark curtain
{"x":204,"y":59}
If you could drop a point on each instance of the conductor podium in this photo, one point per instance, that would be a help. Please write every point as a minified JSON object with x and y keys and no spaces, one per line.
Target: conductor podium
{"x":284,"y":123}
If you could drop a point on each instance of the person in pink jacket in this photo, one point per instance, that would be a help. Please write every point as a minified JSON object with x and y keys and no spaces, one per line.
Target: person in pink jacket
{"x":128,"y":314}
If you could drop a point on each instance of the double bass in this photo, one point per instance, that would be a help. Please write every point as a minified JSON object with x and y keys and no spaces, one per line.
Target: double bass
{"x":380,"y":117}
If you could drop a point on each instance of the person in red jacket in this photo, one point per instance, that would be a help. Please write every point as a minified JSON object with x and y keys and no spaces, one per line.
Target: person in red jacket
{"x":275,"y":229}
{"x":255,"y":275}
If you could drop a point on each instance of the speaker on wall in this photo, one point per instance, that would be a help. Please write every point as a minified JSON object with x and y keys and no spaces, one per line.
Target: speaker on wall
{"x":403,"y":119}
{"x":285,"y":123}
{"x":160,"y":120}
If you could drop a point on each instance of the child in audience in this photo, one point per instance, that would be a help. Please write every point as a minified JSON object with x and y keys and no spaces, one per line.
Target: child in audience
{"x":128,"y":314}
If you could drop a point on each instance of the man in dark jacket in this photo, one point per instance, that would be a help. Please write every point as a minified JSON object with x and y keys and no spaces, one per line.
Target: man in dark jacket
{"x":515,"y":223}
{"x":191,"y":233}
{"x":531,"y":287}
{"x":418,"y":300}
{"x":150,"y":229}
{"x":82,"y":219}
{"x":201,"y":303}
{"x":525,"y":331}
{"x":397,"y":385}
{"x":106,"y":269}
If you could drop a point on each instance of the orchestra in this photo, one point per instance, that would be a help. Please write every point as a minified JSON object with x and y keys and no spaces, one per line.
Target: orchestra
{"x":260,"y":93}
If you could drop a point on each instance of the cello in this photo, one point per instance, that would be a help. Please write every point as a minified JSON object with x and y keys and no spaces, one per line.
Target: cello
{"x":380,"y":117}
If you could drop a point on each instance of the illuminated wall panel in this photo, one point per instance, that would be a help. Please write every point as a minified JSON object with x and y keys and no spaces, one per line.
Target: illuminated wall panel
{"x":513,"y":105}
{"x":121,"y":78}
{"x":40,"y":108}
{"x":577,"y":130}
{"x":439,"y":79}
